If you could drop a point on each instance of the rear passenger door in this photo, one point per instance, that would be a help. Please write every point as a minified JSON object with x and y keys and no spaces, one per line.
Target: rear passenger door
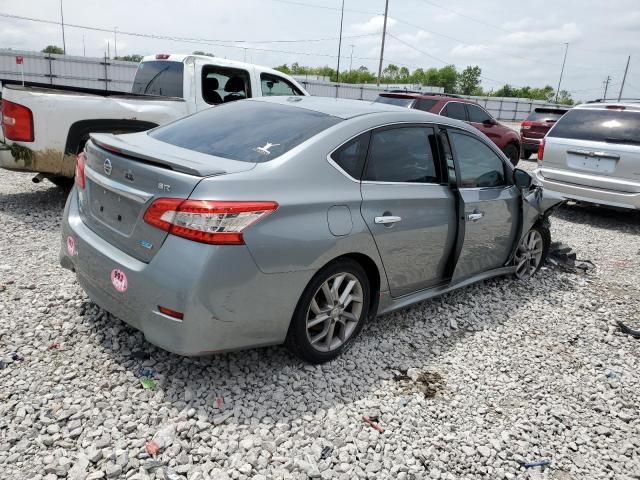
{"x":489,"y":206}
{"x":409,"y":210}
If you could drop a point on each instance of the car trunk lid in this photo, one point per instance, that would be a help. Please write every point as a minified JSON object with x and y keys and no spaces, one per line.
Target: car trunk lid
{"x":125,"y":174}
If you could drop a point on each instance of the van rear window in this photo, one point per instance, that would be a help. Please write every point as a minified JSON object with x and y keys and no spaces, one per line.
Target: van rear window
{"x":598,"y":125}
{"x":545,"y":114}
{"x":159,"y":78}
{"x":247,"y":130}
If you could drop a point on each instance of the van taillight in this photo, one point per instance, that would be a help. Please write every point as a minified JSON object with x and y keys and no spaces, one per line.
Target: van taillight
{"x":207,"y":221}
{"x":17,"y":122}
{"x":541,"y":150}
{"x":79,"y":179}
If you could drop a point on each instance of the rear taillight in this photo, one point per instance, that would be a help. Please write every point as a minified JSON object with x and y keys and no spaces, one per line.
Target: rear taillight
{"x":162,"y":56}
{"x":541,"y":150}
{"x":526,"y":125}
{"x":207,"y":221}
{"x":79,"y":178}
{"x":17,"y":122}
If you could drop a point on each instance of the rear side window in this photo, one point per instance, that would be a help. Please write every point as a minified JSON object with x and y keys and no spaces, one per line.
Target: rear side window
{"x":351,"y":156}
{"x":248,"y":131}
{"x":599,"y":125}
{"x":477,"y":115}
{"x":425,"y":104}
{"x":399,"y":101}
{"x":404,"y":154}
{"x":479,"y":165}
{"x":544,"y":115}
{"x":455,"y":110}
{"x":159,"y":78}
{"x":272,"y":85}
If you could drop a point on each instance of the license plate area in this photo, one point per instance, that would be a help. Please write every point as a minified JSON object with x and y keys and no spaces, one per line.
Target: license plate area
{"x":591,"y":164}
{"x":111,"y":209}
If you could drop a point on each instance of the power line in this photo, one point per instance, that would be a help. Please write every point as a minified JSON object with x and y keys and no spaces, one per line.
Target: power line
{"x":477,"y":20}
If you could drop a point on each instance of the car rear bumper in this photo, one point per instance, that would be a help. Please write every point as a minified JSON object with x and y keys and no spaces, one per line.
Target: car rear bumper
{"x":599,"y":196}
{"x":531,"y":144}
{"x":227,"y":302}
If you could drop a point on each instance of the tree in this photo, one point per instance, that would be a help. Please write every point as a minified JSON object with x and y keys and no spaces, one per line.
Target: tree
{"x":564,"y":98}
{"x":469,"y":81}
{"x":53,"y":49}
{"x":404,"y":74}
{"x":200,"y":52}
{"x":448,"y":78}
{"x":130,"y":58}
{"x":390,"y":73}
{"x":284,"y":68}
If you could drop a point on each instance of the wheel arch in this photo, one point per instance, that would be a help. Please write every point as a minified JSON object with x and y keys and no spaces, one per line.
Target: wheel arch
{"x":373,"y":274}
{"x":80,"y":130}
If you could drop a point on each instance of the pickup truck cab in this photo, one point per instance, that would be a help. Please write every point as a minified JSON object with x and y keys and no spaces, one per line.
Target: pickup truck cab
{"x":44,"y":128}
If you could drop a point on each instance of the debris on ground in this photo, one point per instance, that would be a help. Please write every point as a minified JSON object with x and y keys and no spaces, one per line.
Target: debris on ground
{"x":373,"y":422}
{"x":414,"y":380}
{"x":152,"y":448}
{"x":628,"y":330}
{"x":54,"y":346}
{"x":562,"y":256}
{"x":326,"y":453}
{"x":148,"y":383}
{"x":539,"y":463}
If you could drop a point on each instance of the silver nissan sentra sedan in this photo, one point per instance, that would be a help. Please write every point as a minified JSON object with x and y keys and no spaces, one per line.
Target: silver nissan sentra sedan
{"x":293,"y":220}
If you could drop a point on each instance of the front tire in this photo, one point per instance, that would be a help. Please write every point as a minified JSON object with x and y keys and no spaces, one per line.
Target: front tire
{"x":330,"y":313}
{"x":532,"y":251}
{"x":513,"y":153}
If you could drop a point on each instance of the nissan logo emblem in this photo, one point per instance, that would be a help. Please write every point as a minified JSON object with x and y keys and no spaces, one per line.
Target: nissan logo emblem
{"x":107,"y":167}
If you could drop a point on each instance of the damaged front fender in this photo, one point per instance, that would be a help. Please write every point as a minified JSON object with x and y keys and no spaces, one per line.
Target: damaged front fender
{"x":538,"y":204}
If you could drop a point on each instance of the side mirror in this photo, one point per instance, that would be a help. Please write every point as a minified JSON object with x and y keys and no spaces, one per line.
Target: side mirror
{"x":490,"y":122}
{"x":522,"y":179}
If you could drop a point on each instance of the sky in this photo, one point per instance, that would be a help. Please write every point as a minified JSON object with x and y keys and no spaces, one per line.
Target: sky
{"x":512,"y":41}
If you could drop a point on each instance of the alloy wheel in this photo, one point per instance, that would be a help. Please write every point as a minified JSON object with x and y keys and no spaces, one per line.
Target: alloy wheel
{"x":334,"y":312}
{"x":529,"y":254}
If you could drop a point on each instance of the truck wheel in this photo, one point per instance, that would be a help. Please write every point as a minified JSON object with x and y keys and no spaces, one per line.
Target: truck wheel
{"x":64,"y":183}
{"x":330,"y":313}
{"x":513,"y":153}
{"x":532,"y":250}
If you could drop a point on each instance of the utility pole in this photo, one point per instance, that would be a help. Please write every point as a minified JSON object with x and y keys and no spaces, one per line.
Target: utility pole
{"x":566,"y":49}
{"x":108,"y":50}
{"x":115,"y":41}
{"x":84,"y":48}
{"x":606,"y":87}
{"x":64,"y":45}
{"x":351,"y":61}
{"x":340,"y":43}
{"x":626,"y":69}
{"x":384,"y":33}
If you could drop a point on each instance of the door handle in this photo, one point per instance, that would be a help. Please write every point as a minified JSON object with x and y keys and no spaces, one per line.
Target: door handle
{"x":387,"y":219}
{"x":475,"y":216}
{"x":589,"y":153}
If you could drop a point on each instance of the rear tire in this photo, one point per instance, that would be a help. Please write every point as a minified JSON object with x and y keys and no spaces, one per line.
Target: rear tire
{"x":330,"y":313}
{"x":513,"y":153}
{"x":532,"y":251}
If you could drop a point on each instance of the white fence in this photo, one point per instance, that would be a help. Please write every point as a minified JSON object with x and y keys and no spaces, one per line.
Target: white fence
{"x":116,"y":75}
{"x":65,"y":70}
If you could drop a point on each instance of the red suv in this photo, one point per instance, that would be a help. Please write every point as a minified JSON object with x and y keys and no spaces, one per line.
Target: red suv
{"x":459,"y":108}
{"x":536,"y":126}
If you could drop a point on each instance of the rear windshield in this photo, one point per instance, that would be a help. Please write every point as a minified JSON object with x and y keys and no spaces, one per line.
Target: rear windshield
{"x":249,"y":131}
{"x":159,"y":78}
{"x":599,"y":125}
{"x":399,"y":101}
{"x":542,"y":115}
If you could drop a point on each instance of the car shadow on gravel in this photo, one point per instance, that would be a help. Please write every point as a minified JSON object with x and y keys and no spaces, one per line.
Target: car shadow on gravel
{"x":270,"y":385}
{"x":626,"y":221}
{"x":44,"y":201}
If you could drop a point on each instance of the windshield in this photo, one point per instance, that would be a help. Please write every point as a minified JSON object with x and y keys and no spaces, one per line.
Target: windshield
{"x":159,"y":78}
{"x":545,"y":115}
{"x":598,"y":125}
{"x":399,"y":101}
{"x":249,"y":131}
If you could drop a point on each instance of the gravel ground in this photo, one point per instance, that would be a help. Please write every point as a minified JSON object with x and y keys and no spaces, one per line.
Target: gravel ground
{"x":470,"y":385}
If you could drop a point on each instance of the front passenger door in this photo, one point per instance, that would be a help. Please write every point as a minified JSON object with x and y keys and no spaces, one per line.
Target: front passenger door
{"x":490,"y":206}
{"x":407,"y":207}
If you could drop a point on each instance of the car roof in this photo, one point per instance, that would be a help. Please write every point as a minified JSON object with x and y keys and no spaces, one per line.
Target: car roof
{"x":432,"y":95}
{"x":345,"y":108}
{"x":632,"y":106}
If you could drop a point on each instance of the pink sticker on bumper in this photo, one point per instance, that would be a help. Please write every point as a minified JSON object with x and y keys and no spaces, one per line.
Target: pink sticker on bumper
{"x":119,"y":280}
{"x":71,"y":246}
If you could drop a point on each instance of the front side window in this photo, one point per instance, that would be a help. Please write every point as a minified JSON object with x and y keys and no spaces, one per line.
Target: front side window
{"x":351,"y":156}
{"x":222,"y":84}
{"x":479,"y":165}
{"x":273,"y":85}
{"x":455,"y":110}
{"x":477,"y":115}
{"x":250,"y":131}
{"x":402,"y":154}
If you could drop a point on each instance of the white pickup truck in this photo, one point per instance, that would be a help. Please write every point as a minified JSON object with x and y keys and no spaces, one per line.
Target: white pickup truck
{"x":43,"y":129}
